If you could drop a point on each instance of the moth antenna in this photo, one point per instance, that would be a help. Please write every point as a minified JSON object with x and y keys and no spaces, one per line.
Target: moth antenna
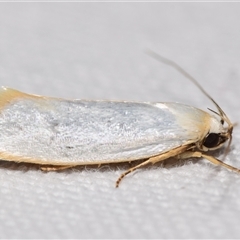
{"x":214,"y":112}
{"x":192,"y":79}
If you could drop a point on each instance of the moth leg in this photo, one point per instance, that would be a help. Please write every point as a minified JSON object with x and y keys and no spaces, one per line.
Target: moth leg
{"x":131,"y":170}
{"x":189,"y":154}
{"x":209,"y":158}
{"x":153,"y":160}
{"x":218,"y":162}
{"x":55,"y":168}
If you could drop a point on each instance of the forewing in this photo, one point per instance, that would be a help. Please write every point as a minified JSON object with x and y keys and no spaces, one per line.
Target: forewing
{"x":57,"y":131}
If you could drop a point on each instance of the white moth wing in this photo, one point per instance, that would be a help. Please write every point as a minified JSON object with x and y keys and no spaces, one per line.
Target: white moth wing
{"x":76,"y":132}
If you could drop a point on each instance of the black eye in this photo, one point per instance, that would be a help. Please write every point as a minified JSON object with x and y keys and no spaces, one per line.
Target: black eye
{"x":212,"y":140}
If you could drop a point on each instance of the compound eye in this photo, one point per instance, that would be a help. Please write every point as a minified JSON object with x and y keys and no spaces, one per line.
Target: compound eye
{"x":212,"y":140}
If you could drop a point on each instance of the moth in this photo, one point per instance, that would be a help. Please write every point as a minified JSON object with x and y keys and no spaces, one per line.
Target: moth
{"x":63,"y":133}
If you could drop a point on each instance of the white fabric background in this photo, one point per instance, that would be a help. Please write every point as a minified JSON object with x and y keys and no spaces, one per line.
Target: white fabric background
{"x":96,"y":51}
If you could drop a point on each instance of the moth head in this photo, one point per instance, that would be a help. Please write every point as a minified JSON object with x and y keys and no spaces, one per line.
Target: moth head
{"x":218,"y":133}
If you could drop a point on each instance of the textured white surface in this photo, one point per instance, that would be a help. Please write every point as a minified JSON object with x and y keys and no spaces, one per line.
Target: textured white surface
{"x":95,"y":51}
